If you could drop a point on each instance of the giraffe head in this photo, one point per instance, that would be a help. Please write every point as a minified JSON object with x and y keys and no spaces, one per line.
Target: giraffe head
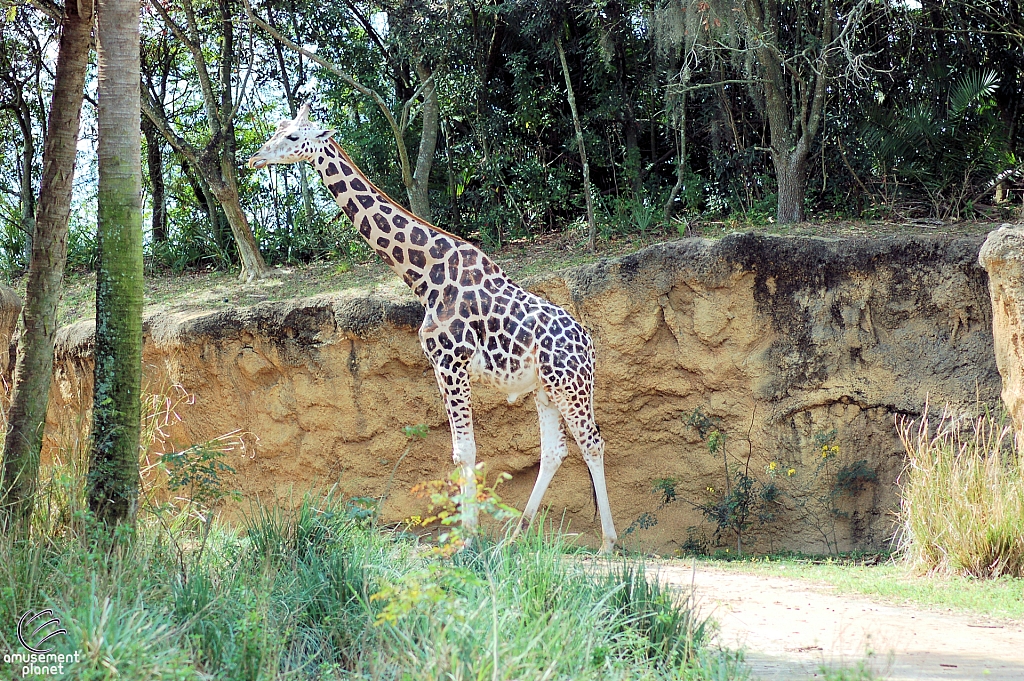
{"x":293,"y":141}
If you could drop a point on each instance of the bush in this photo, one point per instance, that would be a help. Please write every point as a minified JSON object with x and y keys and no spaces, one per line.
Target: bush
{"x":962,"y":507}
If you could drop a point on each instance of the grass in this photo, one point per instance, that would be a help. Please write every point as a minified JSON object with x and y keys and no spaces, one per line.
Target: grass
{"x":895,"y":582}
{"x":962,"y":496}
{"x":318,"y":594}
{"x":522,"y":258}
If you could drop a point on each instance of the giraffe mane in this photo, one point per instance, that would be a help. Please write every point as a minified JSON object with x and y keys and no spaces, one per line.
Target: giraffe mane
{"x":337,"y":147}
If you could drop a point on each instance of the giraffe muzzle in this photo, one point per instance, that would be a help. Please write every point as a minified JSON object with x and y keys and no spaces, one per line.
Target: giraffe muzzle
{"x":257,"y":162}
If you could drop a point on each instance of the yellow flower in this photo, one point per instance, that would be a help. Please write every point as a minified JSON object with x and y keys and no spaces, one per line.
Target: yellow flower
{"x":791,"y":472}
{"x":711,"y":489}
{"x":772,"y":466}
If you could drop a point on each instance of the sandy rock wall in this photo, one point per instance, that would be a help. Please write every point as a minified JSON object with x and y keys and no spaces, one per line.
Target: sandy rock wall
{"x":1002,"y":256}
{"x":786,"y":343}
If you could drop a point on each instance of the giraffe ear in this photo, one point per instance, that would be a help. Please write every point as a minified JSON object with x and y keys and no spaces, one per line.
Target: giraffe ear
{"x":303,"y":114}
{"x":326,"y":134}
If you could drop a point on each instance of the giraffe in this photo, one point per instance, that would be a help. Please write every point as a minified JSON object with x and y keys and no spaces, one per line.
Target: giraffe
{"x":477,"y":327}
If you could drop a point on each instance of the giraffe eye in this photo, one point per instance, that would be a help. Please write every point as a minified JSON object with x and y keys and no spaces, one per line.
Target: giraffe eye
{"x":293,"y":138}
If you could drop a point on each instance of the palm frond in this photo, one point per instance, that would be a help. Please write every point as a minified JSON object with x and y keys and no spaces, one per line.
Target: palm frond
{"x":971,"y":89}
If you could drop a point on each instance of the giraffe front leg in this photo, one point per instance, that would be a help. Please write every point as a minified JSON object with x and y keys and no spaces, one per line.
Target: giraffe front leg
{"x":453,"y":380}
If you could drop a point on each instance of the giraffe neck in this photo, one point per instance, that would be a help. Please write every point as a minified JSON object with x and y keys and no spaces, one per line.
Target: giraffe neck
{"x":421,"y":254}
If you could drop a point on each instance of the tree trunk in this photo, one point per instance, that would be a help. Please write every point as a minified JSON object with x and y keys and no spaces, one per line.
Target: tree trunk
{"x":155,"y":166}
{"x":592,"y":225}
{"x":28,"y":197}
{"x":215,"y":160}
{"x":32,"y":373}
{"x":419,"y":194}
{"x":794,"y":104}
{"x":679,"y":118}
{"x":791,"y":178}
{"x":113,"y":482}
{"x":225,"y":189}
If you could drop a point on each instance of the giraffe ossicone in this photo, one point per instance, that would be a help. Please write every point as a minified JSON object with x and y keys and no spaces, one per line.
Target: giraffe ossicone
{"x":477,"y":327}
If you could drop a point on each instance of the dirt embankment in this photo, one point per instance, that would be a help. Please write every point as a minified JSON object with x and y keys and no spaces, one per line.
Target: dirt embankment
{"x":781,"y":340}
{"x":1002,"y":256}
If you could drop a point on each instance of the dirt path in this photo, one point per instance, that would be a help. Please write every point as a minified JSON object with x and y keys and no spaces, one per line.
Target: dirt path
{"x":789,"y":628}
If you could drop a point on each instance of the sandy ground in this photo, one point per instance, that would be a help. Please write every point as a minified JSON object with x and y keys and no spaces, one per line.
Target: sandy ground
{"x":789,"y":629}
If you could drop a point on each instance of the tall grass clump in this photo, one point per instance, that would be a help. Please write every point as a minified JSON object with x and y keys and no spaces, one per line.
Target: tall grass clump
{"x":962,"y":508}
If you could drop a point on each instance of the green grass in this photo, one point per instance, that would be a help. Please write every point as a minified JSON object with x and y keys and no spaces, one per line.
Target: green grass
{"x":897,"y":583}
{"x":317,"y":594}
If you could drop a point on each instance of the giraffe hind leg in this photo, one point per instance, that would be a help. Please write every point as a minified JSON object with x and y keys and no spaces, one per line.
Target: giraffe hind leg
{"x":579,"y":418}
{"x":552,"y":453}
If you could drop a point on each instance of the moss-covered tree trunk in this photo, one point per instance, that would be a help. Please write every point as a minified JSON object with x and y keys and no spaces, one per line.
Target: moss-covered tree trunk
{"x":45,"y":271}
{"x":419,"y":190}
{"x":113,"y":483}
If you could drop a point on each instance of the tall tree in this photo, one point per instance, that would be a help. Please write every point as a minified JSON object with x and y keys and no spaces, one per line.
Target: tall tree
{"x":587,"y":193}
{"x":113,"y":482}
{"x":156,"y":65}
{"x":34,"y":366}
{"x":210,"y":34}
{"x":796,"y":44}
{"x":291,"y":91}
{"x":21,"y":64}
{"x":415,"y":177}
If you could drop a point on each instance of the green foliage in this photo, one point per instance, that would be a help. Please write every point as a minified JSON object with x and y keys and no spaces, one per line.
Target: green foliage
{"x":12,"y":239}
{"x":673,"y":633}
{"x":449,"y":505}
{"x":313,"y":594}
{"x":950,"y":150}
{"x":198,"y":472}
{"x":904,"y":132}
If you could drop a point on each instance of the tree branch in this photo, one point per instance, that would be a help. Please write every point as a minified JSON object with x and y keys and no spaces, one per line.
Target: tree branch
{"x":195,"y":49}
{"x":49,"y":8}
{"x":396,"y":130}
{"x":179,"y":143}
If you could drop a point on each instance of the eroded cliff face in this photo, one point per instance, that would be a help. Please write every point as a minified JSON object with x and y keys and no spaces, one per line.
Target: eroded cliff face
{"x":780,"y":340}
{"x":1002,"y":256}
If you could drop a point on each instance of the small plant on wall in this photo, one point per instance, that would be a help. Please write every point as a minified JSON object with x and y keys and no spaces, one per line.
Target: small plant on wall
{"x":747,"y":498}
{"x":815,"y":492}
{"x":740,"y":504}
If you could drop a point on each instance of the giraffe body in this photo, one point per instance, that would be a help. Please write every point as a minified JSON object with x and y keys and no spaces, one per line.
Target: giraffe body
{"x":478,"y":326}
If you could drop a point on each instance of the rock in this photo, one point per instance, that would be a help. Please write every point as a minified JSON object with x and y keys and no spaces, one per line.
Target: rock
{"x":788,"y":343}
{"x":1002,"y":255}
